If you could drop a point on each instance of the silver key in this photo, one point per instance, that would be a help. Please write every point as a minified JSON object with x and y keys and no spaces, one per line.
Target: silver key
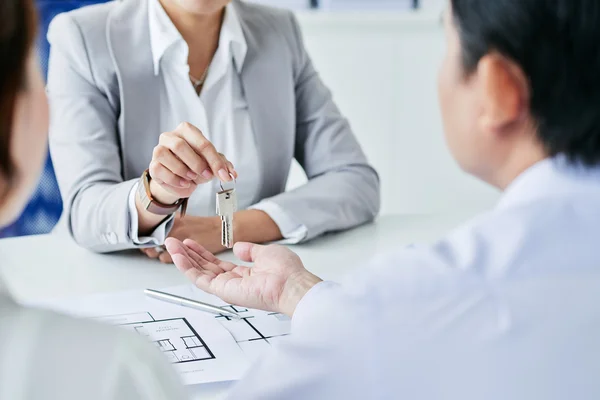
{"x":226,"y":206}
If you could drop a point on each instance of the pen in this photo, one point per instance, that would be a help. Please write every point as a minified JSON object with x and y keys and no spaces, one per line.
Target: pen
{"x":182,"y":301}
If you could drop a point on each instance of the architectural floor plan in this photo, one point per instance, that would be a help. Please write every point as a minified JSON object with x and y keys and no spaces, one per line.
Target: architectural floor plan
{"x":175,"y":337}
{"x":200,"y":348}
{"x":254,"y":333}
{"x":257,"y":330}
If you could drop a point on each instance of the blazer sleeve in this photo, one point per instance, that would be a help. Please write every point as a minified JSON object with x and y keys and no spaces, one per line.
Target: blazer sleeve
{"x":343,"y":189}
{"x":84,"y":145}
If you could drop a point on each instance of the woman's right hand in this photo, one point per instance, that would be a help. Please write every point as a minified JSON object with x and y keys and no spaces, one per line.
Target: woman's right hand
{"x":182,"y":160}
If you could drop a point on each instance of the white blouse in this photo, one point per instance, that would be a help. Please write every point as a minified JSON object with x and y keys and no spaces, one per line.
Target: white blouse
{"x":220,"y":112}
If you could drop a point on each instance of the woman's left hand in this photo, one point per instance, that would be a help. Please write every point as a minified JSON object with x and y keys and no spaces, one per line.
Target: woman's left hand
{"x":249,"y":225}
{"x":204,"y":230}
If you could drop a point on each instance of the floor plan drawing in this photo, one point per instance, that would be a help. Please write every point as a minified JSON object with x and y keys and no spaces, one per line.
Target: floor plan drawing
{"x":175,"y":337}
{"x":198,"y":346}
{"x":257,"y":329}
{"x":254,"y":333}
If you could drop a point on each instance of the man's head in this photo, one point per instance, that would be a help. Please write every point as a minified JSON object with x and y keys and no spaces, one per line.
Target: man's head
{"x":521,"y":82}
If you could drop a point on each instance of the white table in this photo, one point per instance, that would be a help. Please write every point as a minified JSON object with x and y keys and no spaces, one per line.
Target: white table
{"x":50,"y":266}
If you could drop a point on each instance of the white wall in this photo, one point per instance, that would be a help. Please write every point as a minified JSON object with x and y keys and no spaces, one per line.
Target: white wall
{"x":382,"y":70}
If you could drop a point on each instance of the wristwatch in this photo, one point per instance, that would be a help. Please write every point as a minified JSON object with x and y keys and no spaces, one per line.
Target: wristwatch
{"x":154,"y":206}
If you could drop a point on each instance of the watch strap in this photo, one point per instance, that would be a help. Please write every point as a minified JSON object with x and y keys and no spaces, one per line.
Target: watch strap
{"x":154,"y":206}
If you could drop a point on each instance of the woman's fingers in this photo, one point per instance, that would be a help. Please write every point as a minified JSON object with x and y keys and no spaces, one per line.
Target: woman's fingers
{"x":150,"y":252}
{"x":197,"y":165}
{"x":165,"y":258}
{"x":167,"y":158}
{"x":185,"y":157}
{"x":202,"y":146}
{"x":230,"y":167}
{"x":164,"y":175}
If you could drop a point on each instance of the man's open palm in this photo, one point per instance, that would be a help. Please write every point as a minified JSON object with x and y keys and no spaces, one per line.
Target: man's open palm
{"x":262,"y":286}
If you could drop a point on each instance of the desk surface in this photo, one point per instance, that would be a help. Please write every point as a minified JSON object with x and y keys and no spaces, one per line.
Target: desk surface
{"x":48,"y":266}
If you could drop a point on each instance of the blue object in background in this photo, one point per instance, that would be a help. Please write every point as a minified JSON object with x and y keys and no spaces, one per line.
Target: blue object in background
{"x":44,"y":209}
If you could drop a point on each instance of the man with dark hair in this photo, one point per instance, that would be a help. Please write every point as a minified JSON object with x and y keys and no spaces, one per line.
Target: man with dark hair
{"x":508,"y":305}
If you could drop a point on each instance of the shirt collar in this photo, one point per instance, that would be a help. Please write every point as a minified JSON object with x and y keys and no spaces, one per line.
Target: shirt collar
{"x":552,"y":177}
{"x":232,"y":36}
{"x":164,"y":34}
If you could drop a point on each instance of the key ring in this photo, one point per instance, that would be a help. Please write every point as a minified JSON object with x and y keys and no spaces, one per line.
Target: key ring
{"x":234,"y":182}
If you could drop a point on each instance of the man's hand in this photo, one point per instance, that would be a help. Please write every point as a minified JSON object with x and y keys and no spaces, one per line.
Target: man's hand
{"x":276,"y":282}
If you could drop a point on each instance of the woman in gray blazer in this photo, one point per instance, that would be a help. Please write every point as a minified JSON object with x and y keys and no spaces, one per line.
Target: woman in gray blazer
{"x":123,"y":76}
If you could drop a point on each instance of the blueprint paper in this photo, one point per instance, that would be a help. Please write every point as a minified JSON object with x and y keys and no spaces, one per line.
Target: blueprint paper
{"x":197,"y":345}
{"x":255,"y":333}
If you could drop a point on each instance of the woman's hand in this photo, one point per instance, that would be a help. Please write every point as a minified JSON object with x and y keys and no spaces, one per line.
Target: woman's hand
{"x":205,"y":230}
{"x":248,"y":225}
{"x":276,"y":282}
{"x":182,"y":160}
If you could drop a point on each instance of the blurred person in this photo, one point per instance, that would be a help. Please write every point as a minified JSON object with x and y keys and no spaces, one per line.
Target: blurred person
{"x":44,"y":355}
{"x":186,"y":90}
{"x":507,"y":306}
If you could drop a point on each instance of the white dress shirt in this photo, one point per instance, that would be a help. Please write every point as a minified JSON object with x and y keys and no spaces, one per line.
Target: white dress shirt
{"x":220,"y":112}
{"x":44,"y":355}
{"x":505,"y":307}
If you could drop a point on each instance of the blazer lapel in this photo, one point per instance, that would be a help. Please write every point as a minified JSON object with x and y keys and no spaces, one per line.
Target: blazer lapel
{"x":268,"y":86}
{"x":267,"y":81}
{"x":129,"y":41}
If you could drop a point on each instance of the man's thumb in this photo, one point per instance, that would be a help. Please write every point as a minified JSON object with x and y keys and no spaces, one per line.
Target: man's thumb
{"x":247,"y":252}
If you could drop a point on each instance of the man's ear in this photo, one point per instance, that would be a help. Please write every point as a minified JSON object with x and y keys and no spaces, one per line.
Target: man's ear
{"x":504,"y":92}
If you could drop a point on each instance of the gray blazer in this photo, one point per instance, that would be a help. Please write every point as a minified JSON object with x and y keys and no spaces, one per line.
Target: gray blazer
{"x":104,"y":100}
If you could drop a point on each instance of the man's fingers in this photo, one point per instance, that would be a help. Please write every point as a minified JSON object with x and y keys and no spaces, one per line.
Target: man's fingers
{"x":175,"y":246}
{"x":194,"y":257}
{"x":201,"y":278}
{"x":248,"y":252}
{"x":184,"y":264}
{"x":180,"y":257}
{"x":200,"y":250}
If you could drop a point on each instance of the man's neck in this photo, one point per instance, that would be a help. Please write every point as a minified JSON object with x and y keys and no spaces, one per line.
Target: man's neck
{"x":520,"y":159}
